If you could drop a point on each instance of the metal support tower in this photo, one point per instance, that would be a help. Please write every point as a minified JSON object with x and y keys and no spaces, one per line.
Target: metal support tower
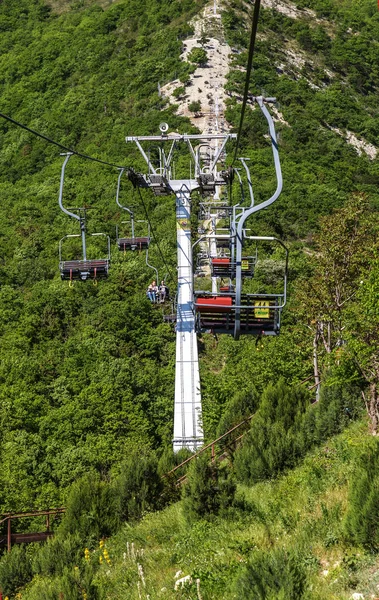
{"x":188,"y":431}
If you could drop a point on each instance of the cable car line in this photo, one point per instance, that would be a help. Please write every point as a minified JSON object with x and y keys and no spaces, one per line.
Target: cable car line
{"x":47,"y":139}
{"x":248,"y":73}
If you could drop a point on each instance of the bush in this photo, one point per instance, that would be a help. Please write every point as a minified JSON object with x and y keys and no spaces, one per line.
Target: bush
{"x":168,"y":461}
{"x":198,"y":56}
{"x":272,"y":576}
{"x":209,"y":489}
{"x":194,"y":106}
{"x":242,"y":405}
{"x":272,"y":444}
{"x":179,"y":91}
{"x":92,"y":510}
{"x":57,"y":555}
{"x":362,"y":517}
{"x":285,"y":427}
{"x":15,"y":570}
{"x":139,"y":485}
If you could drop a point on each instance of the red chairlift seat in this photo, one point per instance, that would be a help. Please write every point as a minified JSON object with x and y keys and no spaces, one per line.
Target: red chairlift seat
{"x":258,"y":315}
{"x":217,"y":304}
{"x":221,"y":267}
{"x":136,"y":243}
{"x":84,"y":269}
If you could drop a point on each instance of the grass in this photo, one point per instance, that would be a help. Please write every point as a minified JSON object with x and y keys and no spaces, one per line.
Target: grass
{"x":301,"y":512}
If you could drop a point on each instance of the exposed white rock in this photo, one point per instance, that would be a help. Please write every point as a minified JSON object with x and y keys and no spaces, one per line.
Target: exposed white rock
{"x":359,"y":144}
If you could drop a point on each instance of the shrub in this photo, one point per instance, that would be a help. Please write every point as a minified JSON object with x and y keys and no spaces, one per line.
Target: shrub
{"x":92,"y":510}
{"x":179,"y":91}
{"x":15,"y":570}
{"x":362,"y":517}
{"x":139,"y":485}
{"x":242,"y":405}
{"x":58,"y":554}
{"x":272,"y":443}
{"x":198,"y":56}
{"x":167,"y":462}
{"x":209,"y":489}
{"x":272,"y":576}
{"x":285,"y":427}
{"x":194,"y":106}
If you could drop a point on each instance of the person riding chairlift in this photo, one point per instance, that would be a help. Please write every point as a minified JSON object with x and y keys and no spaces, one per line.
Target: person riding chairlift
{"x":163,"y":292}
{"x":152,"y":292}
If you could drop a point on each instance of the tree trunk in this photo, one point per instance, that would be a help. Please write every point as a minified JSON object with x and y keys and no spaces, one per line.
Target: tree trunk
{"x":316,"y":371}
{"x":373,"y":408}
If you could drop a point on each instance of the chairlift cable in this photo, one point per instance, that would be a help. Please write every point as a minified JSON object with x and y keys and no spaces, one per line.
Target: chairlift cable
{"x":154,"y":236}
{"x":47,"y":139}
{"x":248,"y":73}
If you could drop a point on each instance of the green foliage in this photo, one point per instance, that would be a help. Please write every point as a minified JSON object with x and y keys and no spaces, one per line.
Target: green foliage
{"x":274,"y":575}
{"x":362,"y":518}
{"x":209,"y":489}
{"x":285,"y":427}
{"x":59,"y":554}
{"x":272,"y":444}
{"x":179,"y":91}
{"x":198,"y":56}
{"x":194,"y":106}
{"x":91,"y":511}
{"x":139,"y":485}
{"x":15,"y":569}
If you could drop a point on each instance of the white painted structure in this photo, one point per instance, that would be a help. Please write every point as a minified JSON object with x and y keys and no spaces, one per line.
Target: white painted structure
{"x":188,"y":431}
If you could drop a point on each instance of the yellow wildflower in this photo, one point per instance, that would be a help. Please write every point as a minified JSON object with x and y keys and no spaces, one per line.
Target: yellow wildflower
{"x":86,"y":554}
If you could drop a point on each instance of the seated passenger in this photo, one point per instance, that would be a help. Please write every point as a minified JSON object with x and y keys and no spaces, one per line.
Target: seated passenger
{"x":163,"y":292}
{"x":152,"y":292}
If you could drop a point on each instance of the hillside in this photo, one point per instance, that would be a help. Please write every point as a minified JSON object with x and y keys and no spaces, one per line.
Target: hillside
{"x":87,"y":371}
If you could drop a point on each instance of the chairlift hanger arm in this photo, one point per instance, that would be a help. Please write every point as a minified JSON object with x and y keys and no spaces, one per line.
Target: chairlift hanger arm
{"x":274,"y":145}
{"x":169,"y":157}
{"x":240,"y":182}
{"x":67,"y":212}
{"x":118,"y":194}
{"x":243,"y":161}
{"x":238,"y":230}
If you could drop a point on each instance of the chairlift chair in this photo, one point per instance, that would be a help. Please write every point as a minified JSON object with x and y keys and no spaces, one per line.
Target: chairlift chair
{"x":133,"y":242}
{"x":237,"y":312}
{"x":259,"y":313}
{"x":84,"y":268}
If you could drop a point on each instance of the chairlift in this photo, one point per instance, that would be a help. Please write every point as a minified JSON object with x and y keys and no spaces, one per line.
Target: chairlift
{"x":225,"y":267}
{"x":232,"y":310}
{"x":84,"y":268}
{"x":133,"y":242}
{"x":259,"y":313}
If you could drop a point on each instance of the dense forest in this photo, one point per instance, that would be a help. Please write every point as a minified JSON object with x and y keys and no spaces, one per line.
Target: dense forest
{"x":87,"y":371}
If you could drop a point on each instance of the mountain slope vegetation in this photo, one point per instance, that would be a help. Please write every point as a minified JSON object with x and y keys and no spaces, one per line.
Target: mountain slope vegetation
{"x":87,"y":372}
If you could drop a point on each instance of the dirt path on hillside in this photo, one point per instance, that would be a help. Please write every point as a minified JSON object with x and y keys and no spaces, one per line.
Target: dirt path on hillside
{"x":207,"y":82}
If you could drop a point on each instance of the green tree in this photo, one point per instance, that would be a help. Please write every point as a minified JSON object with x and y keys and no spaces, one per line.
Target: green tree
{"x":362,"y":335}
{"x":15,"y":570}
{"x":209,"y":489}
{"x":273,"y":443}
{"x":91,"y":511}
{"x":341,"y":257}
{"x":194,"y":106}
{"x":139,"y":485}
{"x":198,"y":56}
{"x":362,"y":517}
